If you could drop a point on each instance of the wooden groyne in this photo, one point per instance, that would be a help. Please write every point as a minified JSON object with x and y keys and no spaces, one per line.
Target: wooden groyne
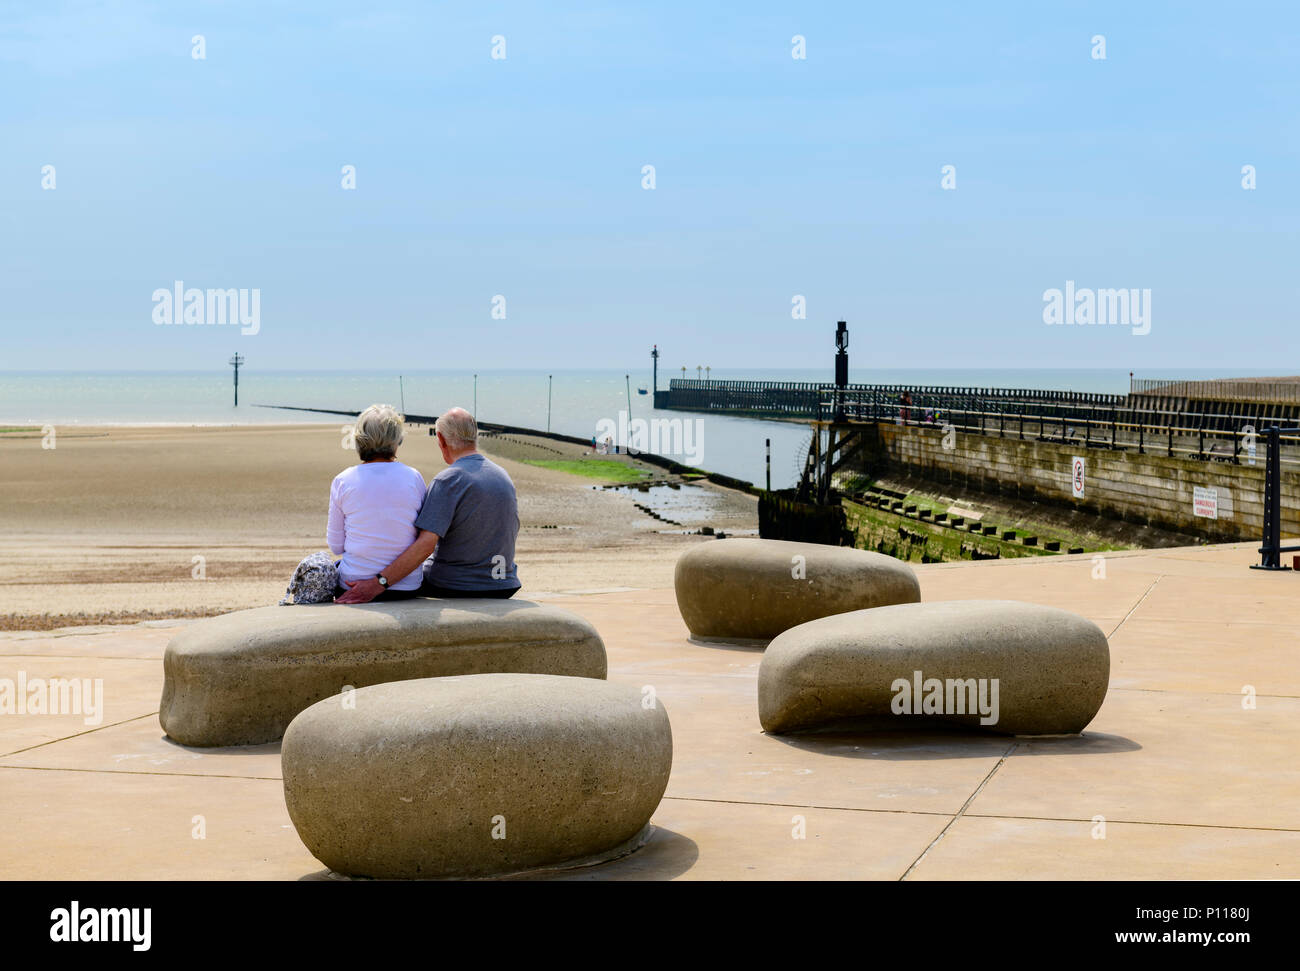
{"x":672,"y":466}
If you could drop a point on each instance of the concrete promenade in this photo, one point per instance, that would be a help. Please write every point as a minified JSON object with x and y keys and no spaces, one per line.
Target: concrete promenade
{"x":1191,"y":783}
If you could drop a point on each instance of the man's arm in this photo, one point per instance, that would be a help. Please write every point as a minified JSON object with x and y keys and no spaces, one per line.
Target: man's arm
{"x":363,"y":591}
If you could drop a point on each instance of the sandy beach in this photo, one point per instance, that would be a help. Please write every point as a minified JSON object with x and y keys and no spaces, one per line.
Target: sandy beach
{"x":122,"y":524}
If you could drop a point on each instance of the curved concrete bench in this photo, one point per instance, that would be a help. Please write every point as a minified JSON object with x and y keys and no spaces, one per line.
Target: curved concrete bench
{"x":239,"y":679}
{"x":998,"y":665}
{"x":750,"y":590}
{"x":477,"y":776}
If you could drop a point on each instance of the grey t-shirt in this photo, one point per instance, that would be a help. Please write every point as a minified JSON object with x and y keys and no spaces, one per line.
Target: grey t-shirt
{"x":471,"y":505}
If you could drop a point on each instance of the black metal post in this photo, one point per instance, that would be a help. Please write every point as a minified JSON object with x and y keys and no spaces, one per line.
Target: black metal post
{"x":236,"y":361}
{"x":1272,"y":549}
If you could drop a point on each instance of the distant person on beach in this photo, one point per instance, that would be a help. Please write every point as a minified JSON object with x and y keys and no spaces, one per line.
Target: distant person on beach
{"x":465,"y":531}
{"x":372,"y":514}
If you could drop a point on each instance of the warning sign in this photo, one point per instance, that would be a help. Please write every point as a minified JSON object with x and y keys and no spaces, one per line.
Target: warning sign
{"x":1205,"y":502}
{"x":1076,"y":477}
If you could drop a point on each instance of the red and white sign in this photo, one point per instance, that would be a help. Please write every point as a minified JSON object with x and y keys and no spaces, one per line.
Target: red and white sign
{"x":1076,"y":477}
{"x":1205,"y":502}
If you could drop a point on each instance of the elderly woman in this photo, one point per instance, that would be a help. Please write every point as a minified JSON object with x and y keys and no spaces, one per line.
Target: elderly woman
{"x":373,"y":505}
{"x":372,"y":516}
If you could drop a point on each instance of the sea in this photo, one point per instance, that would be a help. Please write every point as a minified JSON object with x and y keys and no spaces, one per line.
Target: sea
{"x":574,"y":402}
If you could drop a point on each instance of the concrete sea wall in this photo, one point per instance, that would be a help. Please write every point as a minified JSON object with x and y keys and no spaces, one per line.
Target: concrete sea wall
{"x":1149,"y":489}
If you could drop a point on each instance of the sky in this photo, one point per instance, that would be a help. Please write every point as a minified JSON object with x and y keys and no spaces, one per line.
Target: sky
{"x":523,"y":177}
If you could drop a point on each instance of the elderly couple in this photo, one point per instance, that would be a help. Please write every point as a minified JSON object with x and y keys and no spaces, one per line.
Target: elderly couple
{"x":397,"y":541}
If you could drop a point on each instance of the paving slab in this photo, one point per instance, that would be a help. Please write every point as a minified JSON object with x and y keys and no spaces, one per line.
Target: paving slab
{"x":1190,"y":759}
{"x":729,"y":758}
{"x":1205,"y":656}
{"x":75,"y":825}
{"x":130,"y":687}
{"x":140,"y":746}
{"x":1049,"y":849}
{"x":696,"y":840}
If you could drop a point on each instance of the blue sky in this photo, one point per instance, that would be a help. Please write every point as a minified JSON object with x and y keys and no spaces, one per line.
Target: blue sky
{"x":774,"y":177}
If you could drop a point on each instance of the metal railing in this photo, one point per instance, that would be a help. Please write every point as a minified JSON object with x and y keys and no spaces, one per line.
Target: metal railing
{"x":1221,"y":389}
{"x":1200,"y":435}
{"x":1271,"y":548}
{"x":801,"y":398}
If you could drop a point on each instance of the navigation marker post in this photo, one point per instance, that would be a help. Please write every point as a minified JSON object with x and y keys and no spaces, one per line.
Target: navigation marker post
{"x":237,"y":361}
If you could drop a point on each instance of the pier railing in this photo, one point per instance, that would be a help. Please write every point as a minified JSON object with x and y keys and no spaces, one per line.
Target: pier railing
{"x":800,"y":399}
{"x":1207,"y":431}
{"x":1222,"y":389}
{"x":1199,"y":435}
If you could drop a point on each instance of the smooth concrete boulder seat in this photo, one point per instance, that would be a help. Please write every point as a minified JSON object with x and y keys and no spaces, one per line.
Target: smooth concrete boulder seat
{"x":996,"y":665}
{"x":477,"y":776}
{"x":239,"y":679}
{"x":750,"y":590}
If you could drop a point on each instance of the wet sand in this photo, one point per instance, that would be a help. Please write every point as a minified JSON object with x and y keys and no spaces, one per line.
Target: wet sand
{"x":122,"y":524}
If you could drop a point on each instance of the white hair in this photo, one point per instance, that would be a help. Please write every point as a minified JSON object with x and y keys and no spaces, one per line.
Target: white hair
{"x":378,"y":432}
{"x":458,"y":427}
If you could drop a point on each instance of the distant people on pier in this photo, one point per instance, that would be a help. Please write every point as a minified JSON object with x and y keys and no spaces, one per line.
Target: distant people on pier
{"x":904,"y":407}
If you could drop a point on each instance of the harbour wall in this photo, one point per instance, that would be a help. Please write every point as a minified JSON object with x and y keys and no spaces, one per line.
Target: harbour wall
{"x":1147,"y":489}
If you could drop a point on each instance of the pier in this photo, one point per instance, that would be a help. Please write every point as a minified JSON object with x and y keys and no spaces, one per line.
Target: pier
{"x":1218,"y":459}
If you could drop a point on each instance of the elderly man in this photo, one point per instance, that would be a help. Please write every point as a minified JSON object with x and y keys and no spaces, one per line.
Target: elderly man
{"x":466,"y":528}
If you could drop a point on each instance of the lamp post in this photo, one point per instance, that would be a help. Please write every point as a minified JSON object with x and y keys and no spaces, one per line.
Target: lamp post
{"x":841,"y":367}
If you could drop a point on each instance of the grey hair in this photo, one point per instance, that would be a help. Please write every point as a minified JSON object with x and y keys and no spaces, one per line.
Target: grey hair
{"x":378,"y":432}
{"x":458,"y":427}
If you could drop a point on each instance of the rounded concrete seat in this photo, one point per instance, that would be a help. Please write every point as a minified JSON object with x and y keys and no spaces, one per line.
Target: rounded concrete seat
{"x":239,"y":679}
{"x":996,"y":665}
{"x":476,"y":776}
{"x":750,"y":590}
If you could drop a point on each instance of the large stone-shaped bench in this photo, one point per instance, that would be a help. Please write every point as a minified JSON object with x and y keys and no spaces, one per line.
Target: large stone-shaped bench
{"x":476,"y":776}
{"x":996,"y":665}
{"x":750,"y":590}
{"x":240,"y":679}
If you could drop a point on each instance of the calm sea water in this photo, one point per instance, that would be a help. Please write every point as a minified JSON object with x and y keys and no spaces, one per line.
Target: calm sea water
{"x":578,"y":400}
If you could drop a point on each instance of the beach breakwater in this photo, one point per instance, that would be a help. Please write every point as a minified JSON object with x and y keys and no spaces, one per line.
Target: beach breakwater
{"x":672,"y":466}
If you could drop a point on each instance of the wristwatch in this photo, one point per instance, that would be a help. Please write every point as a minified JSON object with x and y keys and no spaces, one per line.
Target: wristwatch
{"x":383,"y":580}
